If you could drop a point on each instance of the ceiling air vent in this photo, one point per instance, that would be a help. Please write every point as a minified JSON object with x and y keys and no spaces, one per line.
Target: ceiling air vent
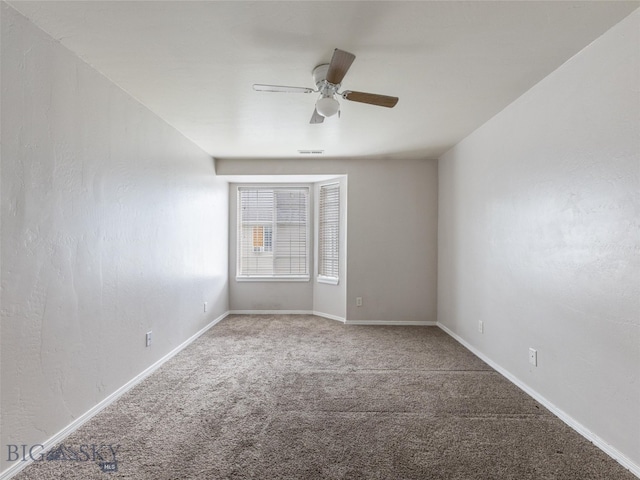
{"x":310,"y":152}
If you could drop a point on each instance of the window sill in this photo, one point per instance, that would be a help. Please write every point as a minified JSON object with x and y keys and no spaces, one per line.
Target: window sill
{"x":273,"y":279}
{"x":328,"y":280}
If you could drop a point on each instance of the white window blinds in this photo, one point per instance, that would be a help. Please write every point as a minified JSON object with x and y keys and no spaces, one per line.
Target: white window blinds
{"x":273,"y":232}
{"x":329,"y":232}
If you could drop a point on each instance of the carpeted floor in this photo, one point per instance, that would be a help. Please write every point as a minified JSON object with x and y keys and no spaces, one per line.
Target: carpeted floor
{"x":301,"y":397}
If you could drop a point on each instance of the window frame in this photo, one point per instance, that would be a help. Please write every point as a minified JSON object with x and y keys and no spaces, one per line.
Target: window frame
{"x":309,"y":218}
{"x":331,"y":280}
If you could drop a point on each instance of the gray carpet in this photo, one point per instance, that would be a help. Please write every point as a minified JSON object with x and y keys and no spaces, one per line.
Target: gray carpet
{"x":301,"y":397}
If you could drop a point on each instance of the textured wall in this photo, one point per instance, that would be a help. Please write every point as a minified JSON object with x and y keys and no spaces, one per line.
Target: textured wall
{"x":392,"y":221}
{"x":113,"y":224}
{"x":539,"y":238}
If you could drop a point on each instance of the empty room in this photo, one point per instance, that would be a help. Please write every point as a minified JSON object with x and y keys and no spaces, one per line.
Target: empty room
{"x":320,"y":240}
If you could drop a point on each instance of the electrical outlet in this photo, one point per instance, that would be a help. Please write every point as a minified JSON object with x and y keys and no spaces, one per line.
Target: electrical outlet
{"x":205,"y":307}
{"x":533,"y":357}
{"x":358,"y":301}
{"x":148,"y":339}
{"x":480,"y":326}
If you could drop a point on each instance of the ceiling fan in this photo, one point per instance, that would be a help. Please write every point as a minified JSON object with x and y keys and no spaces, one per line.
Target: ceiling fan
{"x":328,"y":78}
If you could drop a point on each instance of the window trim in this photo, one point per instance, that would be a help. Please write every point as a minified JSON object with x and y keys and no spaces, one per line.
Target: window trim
{"x":258,"y":278}
{"x":309,"y":218}
{"x":324,"y":278}
{"x":328,"y":280}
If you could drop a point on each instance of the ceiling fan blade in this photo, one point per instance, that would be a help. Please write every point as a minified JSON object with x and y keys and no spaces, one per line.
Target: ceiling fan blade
{"x":281,"y":88}
{"x":339,"y":66}
{"x":370,"y":98}
{"x":316,"y":117}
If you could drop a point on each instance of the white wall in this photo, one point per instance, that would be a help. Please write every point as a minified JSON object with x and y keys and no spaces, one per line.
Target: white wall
{"x":392,"y":230}
{"x":539,"y":238}
{"x":113,"y":224}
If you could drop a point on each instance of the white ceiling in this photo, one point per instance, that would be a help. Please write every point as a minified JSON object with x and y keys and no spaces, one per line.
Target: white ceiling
{"x":453,"y":64}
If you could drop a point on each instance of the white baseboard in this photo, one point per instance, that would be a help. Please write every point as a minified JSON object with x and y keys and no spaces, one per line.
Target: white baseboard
{"x":78,"y":422}
{"x":577,"y":426}
{"x":404,"y":323}
{"x":329,"y":316}
{"x":270,"y":312}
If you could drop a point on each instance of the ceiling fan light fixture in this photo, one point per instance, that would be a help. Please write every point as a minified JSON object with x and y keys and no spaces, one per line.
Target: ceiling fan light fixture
{"x":327,"y":106}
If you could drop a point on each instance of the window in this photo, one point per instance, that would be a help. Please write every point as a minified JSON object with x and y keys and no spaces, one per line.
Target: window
{"x":262,"y":238}
{"x":329,"y":234}
{"x":272,"y":233}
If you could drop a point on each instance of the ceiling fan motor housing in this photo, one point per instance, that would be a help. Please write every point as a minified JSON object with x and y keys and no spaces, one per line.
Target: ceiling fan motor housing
{"x":320,"y":75}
